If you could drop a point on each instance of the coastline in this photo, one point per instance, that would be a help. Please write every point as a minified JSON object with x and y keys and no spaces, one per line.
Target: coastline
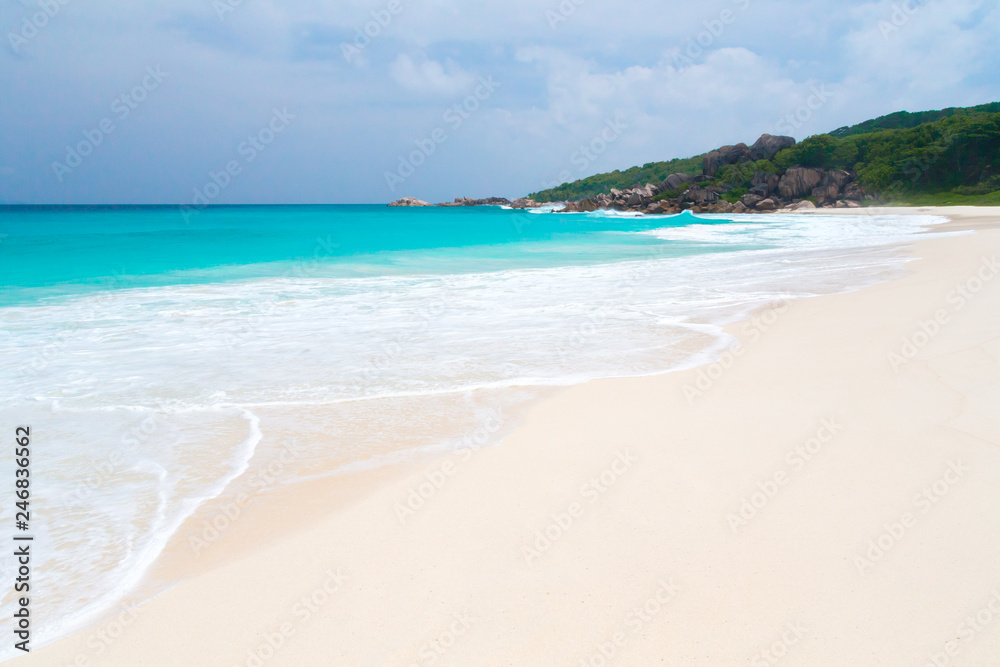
{"x":678,"y":470}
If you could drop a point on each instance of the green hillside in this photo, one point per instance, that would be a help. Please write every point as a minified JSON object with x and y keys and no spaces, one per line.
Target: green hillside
{"x":958,"y":156}
{"x":654,"y":172}
{"x":951,"y":156}
{"x":902,"y":120}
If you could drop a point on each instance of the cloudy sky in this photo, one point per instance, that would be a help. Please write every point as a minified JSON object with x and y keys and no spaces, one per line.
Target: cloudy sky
{"x":364,"y":101}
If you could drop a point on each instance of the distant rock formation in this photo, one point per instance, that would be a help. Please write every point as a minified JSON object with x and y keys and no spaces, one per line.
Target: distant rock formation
{"x":523,"y":203}
{"x":583,"y":206}
{"x":409,"y":201}
{"x":796,"y":189}
{"x":465,"y":201}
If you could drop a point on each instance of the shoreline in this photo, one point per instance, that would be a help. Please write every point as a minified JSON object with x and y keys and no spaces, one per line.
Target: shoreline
{"x":229,"y":527}
{"x":358,"y":508}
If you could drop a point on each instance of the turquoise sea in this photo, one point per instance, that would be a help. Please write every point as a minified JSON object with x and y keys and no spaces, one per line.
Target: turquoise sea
{"x":57,"y":252}
{"x":162,"y":356}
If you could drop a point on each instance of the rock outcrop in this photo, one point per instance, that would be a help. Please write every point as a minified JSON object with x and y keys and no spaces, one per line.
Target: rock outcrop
{"x":764,"y":184}
{"x":826,"y":193}
{"x":803,"y":205}
{"x":409,"y":201}
{"x":648,"y":191}
{"x":523,"y":203}
{"x":796,"y":189}
{"x":841,"y":177}
{"x":465,"y":201}
{"x":854,"y":191}
{"x":700,"y":196}
{"x":768,"y":146}
{"x":634,"y":199}
{"x":832,"y":186}
{"x":764,"y":148}
{"x":799,"y":182}
{"x":726,"y":155}
{"x":674,"y":182}
{"x":582,"y":206}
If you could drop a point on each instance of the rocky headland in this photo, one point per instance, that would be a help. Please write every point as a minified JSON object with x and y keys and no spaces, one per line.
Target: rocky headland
{"x":737,"y":179}
{"x":734,"y":179}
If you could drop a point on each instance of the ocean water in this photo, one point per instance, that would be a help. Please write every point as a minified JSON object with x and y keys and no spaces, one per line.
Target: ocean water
{"x":164,"y":359}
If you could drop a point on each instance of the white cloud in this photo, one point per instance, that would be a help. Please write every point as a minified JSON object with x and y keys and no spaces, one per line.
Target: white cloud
{"x":922,"y":54}
{"x":430,"y":76}
{"x":706,"y":93}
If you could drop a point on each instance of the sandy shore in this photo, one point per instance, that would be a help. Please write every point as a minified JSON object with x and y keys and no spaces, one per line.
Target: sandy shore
{"x":828,"y":496}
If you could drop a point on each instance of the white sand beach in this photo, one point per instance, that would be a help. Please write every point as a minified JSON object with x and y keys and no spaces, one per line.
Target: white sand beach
{"x":830,"y":495}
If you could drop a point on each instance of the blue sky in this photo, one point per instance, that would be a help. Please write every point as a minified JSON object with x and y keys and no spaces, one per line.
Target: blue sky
{"x":254,"y":101}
